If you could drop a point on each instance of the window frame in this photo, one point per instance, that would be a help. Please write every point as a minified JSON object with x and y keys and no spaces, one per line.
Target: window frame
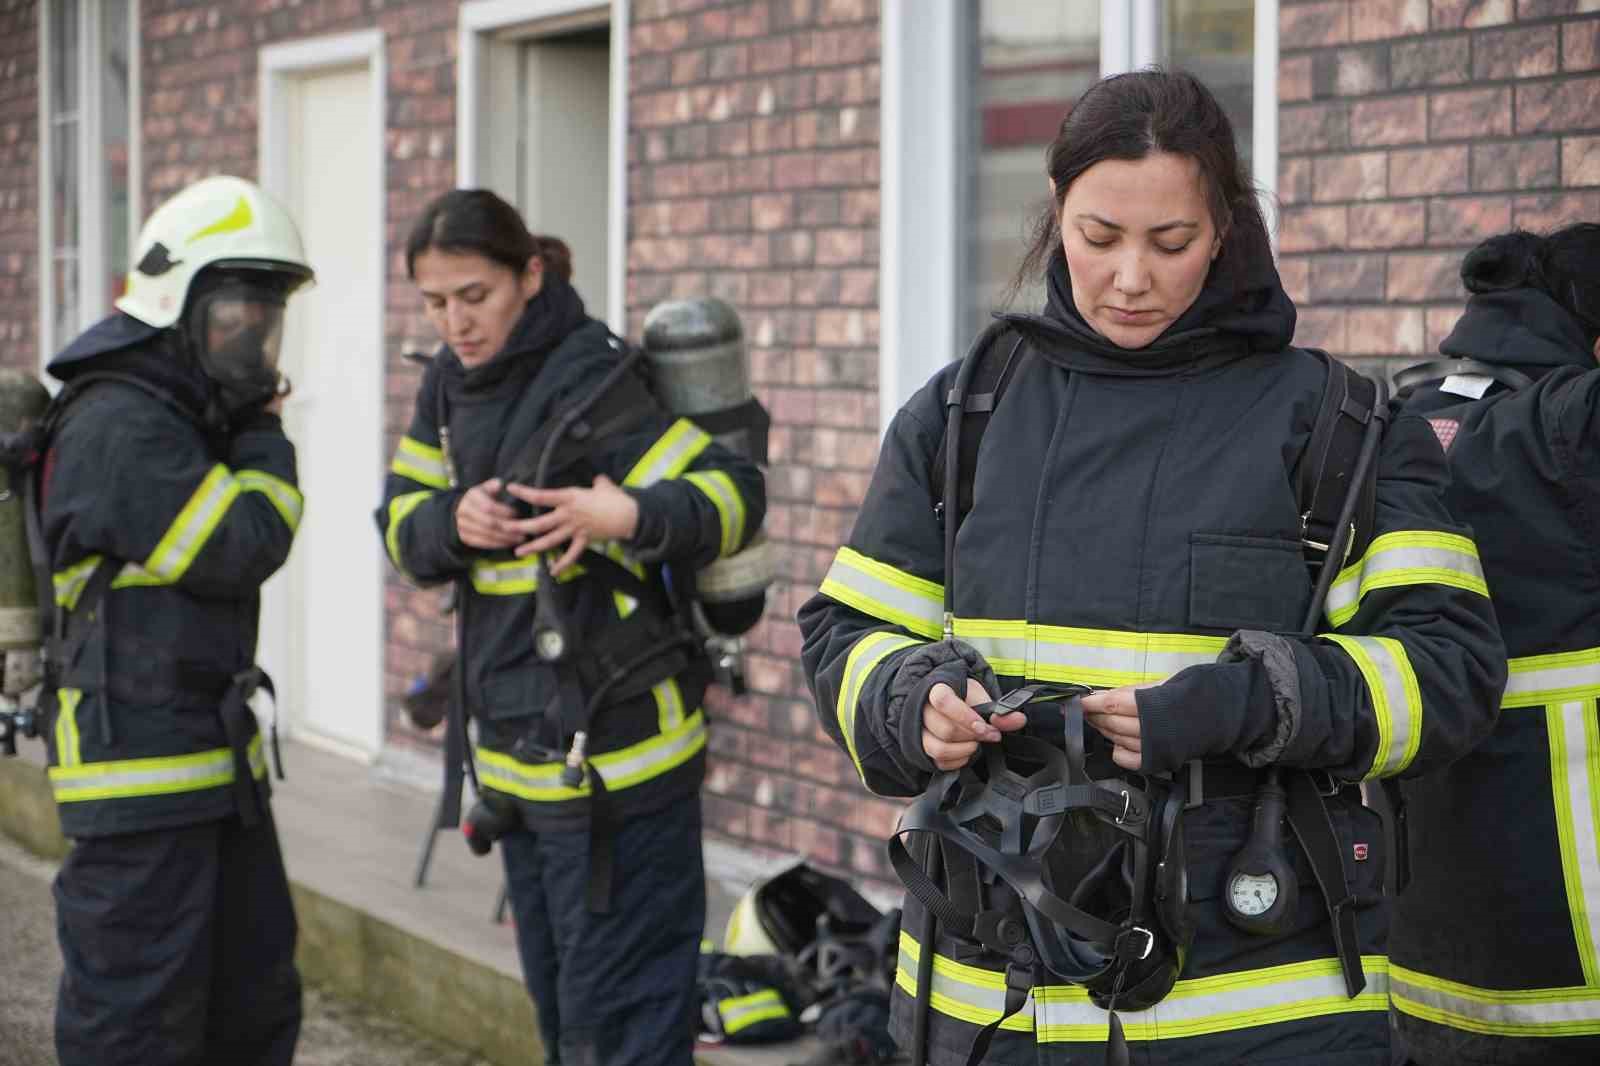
{"x":93,"y":300}
{"x":921,"y":187}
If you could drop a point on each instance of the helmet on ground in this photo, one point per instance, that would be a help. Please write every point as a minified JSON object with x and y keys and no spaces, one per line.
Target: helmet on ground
{"x":779,"y":916}
{"x":219,"y":260}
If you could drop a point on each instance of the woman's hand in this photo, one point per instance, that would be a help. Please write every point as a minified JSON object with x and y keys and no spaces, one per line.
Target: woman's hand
{"x":482,"y":521}
{"x":1115,"y":714}
{"x":576,"y":518}
{"x":952,"y":730}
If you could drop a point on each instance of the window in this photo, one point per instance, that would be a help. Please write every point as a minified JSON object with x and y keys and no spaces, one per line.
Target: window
{"x":88,"y":189}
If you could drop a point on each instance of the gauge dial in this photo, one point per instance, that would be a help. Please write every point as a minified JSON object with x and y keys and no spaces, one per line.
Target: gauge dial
{"x":1253,"y":894}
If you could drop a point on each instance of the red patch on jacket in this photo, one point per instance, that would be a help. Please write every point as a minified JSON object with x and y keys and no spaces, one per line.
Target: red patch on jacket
{"x":1445,"y":429}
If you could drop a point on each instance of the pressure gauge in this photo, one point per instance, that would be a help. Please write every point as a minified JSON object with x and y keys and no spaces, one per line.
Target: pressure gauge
{"x":1260,"y":890}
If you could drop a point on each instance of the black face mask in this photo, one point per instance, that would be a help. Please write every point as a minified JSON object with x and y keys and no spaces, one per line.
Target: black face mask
{"x":235,"y":329}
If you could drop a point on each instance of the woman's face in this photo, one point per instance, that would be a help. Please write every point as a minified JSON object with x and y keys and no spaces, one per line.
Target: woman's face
{"x":474,"y":301}
{"x":1139,"y":242}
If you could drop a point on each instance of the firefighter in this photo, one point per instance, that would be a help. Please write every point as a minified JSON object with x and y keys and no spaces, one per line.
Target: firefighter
{"x":1135,"y":528}
{"x":1497,"y":939}
{"x":569,"y":659}
{"x":168,"y":497}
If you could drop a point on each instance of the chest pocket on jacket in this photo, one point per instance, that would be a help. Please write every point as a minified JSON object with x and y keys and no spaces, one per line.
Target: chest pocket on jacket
{"x":1246,"y":582}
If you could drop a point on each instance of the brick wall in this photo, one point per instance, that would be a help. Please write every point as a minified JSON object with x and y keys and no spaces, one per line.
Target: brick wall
{"x":19,"y":183}
{"x":753,"y":176}
{"x":1410,"y":130}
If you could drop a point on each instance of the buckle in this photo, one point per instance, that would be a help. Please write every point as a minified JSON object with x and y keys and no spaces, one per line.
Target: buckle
{"x":1326,"y":784}
{"x":1127,"y":805}
{"x":1149,"y":943}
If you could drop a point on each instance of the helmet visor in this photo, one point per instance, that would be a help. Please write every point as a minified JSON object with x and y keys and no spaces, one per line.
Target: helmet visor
{"x":242,"y":334}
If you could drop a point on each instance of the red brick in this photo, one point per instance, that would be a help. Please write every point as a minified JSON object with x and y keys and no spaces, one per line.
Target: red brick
{"x":1469,"y":114}
{"x":1437,"y":324}
{"x":1294,"y":79}
{"x":1384,"y":331}
{"x":1520,"y":53}
{"x":1466,"y":220}
{"x":1395,"y":120}
{"x":1349,"y":177}
{"x":1580,"y":45}
{"x":1313,"y":25}
{"x":1547,"y":211}
{"x":1294,"y":180}
{"x":1311,"y":229}
{"x":1400,"y":224}
{"x":1350,"y":71}
{"x":1580,"y":161}
{"x":1294,"y":271}
{"x":1516,"y":166}
{"x":1318,"y":327}
{"x":1456,"y":14}
{"x":1346,"y":278}
{"x":1377,"y":19}
{"x":1533,"y":9}
{"x":1430,"y":61}
{"x":1314,"y":128}
{"x":1570,"y":104}
{"x":1415,"y":171}
{"x":1423,"y":277}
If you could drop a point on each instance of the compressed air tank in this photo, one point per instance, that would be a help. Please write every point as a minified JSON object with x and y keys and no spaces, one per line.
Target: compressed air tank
{"x":22,"y":401}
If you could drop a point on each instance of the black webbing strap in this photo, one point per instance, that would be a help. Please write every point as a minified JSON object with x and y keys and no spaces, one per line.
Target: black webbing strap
{"x":1324,"y":471}
{"x":238,"y":725}
{"x":749,"y":418}
{"x":1019,"y":982}
{"x":602,"y":842}
{"x":1439,"y":369}
{"x":457,"y":752}
{"x":1313,"y":827}
{"x":978,"y":402}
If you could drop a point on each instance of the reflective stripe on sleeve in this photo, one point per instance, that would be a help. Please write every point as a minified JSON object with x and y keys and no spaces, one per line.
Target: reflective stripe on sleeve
{"x":741,"y":1012}
{"x":1407,"y":557}
{"x":718,"y":487}
{"x":1396,"y":699}
{"x":132,"y":778}
{"x":1574,"y":773}
{"x":886,"y":593}
{"x":68,"y":751}
{"x":284,"y":497}
{"x":669,"y":704}
{"x":669,"y":456}
{"x":1541,"y":1012}
{"x":400,"y":509}
{"x":420,"y":462}
{"x":864,"y":657}
{"x":194,"y":525}
{"x":1540,"y":680}
{"x":620,"y":769}
{"x":1098,"y":657}
{"x":70,"y":581}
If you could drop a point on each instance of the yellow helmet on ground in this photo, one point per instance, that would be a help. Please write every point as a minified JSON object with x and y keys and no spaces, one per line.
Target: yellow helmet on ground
{"x":779,"y":916}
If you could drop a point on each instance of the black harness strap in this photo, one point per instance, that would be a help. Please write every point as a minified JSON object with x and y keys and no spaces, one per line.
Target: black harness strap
{"x":1439,"y":369}
{"x":1325,"y":473}
{"x":1313,"y":827}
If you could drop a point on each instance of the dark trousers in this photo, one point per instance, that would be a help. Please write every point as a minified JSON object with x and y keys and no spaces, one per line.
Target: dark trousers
{"x":178,"y":949}
{"x":613,"y":989}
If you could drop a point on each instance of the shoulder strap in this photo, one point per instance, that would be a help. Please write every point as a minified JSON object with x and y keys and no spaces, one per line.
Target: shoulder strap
{"x":990,"y":377}
{"x":1439,"y":369}
{"x":621,"y":401}
{"x":1326,"y":468}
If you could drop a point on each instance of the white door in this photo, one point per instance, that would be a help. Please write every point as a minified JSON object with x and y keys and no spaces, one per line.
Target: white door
{"x":322,"y":629}
{"x":566,"y":93}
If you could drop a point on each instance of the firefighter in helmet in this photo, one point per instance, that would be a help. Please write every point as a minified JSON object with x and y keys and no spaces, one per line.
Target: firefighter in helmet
{"x":168,"y":497}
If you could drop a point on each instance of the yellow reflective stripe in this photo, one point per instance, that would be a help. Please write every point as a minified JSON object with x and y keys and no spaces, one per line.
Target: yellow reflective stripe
{"x":133,"y":576}
{"x":1574,"y":771}
{"x":741,"y":1012}
{"x":194,"y":525}
{"x":68,"y":750}
{"x":1540,"y":680}
{"x":237,"y":219}
{"x":69,"y":582}
{"x":284,"y":497}
{"x":886,"y":593}
{"x":1542,"y":1012}
{"x":669,"y":704}
{"x":513,"y":577}
{"x":421,"y":463}
{"x":620,"y":769}
{"x":868,"y":652}
{"x":1098,"y":657}
{"x":1407,"y":557}
{"x":1396,"y":699}
{"x":1196,"y":1007}
{"x":669,"y":456}
{"x":160,"y":776}
{"x":718,"y":487}
{"x":400,"y":509}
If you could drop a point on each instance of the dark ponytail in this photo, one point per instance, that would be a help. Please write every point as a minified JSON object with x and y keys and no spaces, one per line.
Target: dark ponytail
{"x":477,"y":221}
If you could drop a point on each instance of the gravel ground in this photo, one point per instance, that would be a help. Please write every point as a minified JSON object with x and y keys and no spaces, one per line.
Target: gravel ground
{"x":335,"y":1033}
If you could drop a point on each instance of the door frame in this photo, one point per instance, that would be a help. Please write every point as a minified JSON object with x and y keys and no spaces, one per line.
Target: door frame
{"x":279,"y":66}
{"x":486,"y":29}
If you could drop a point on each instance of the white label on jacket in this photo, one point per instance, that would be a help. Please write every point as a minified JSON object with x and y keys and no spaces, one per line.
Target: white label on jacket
{"x":1472,"y":386}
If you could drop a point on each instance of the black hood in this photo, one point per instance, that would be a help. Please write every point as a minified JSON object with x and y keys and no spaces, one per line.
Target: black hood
{"x":122,"y":344}
{"x":554,"y":311}
{"x":1233,"y":314}
{"x":1522,"y":328}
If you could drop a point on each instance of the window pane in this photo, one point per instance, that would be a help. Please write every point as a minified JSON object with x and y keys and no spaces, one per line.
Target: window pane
{"x":66,"y":293}
{"x":1213,"y":39}
{"x":64,"y":185}
{"x":114,"y":139}
{"x":1032,"y":59}
{"x":63,"y":55}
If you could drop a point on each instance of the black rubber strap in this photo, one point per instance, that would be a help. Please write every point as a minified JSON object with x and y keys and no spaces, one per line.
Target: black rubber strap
{"x":1019,"y":983}
{"x":238,"y":725}
{"x":1439,"y":369}
{"x":602,"y":842}
{"x":1313,"y":827}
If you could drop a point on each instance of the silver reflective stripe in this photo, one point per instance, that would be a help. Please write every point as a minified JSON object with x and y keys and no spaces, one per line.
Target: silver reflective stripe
{"x":421,"y":463}
{"x":633,"y":765}
{"x":143,"y":777}
{"x":669,"y":456}
{"x":864,"y":657}
{"x":742,"y":1012}
{"x":505,"y":579}
{"x":285,"y":498}
{"x":1396,"y":699}
{"x":1574,"y":772}
{"x":1407,"y":557}
{"x":69,"y":583}
{"x":1540,"y":680}
{"x":966,"y":993}
{"x":1101,"y":657}
{"x":1544,"y":1012}
{"x":886,"y":593}
{"x":194,"y":525}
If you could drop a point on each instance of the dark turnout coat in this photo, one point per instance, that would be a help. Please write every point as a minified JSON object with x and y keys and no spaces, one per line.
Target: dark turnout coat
{"x":1497,"y":940}
{"x":1133,"y":510}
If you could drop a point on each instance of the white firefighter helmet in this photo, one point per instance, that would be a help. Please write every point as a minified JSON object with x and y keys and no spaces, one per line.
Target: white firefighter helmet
{"x":778,"y":916}
{"x":219,"y":222}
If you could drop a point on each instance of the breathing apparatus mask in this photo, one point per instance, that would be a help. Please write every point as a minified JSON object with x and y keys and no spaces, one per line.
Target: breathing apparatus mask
{"x":1066,"y":877}
{"x":234,"y":328}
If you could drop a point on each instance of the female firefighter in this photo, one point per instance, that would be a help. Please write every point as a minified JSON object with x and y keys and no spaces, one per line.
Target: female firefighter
{"x":572,"y":662}
{"x":1135,"y":528}
{"x":1510,"y":830}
